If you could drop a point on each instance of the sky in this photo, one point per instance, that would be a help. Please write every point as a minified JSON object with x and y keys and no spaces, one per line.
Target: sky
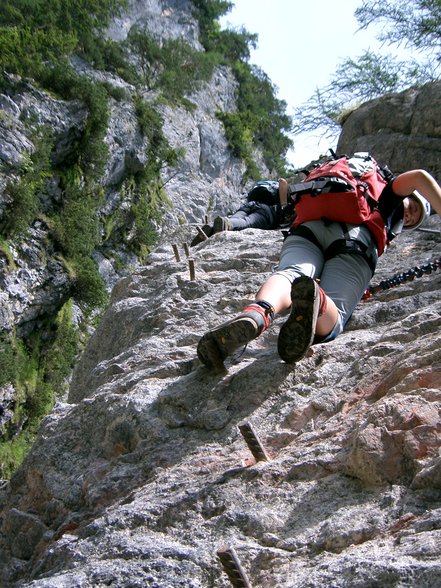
{"x":300,"y":43}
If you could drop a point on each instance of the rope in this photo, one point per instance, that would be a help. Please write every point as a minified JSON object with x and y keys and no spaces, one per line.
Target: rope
{"x":416,"y":272}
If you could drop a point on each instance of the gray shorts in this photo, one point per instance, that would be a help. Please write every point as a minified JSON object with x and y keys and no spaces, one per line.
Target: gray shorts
{"x":344,"y":277}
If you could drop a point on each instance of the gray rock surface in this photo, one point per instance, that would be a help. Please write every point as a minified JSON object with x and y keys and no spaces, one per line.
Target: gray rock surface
{"x":35,"y":288}
{"x":143,"y":475}
{"x":402,"y":130}
{"x":165,"y":19}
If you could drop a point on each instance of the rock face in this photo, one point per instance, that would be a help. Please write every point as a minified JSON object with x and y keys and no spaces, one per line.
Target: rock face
{"x":34,"y":281}
{"x":402,"y":130}
{"x":143,"y":475}
{"x":209,"y":180}
{"x":170,"y":20}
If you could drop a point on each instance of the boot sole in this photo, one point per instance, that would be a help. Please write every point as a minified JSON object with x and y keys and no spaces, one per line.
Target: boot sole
{"x":297,"y":333}
{"x":215,"y":346}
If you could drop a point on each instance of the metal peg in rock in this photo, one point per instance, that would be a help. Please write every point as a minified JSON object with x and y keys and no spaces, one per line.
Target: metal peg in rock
{"x":253,"y":442}
{"x":191,"y":268}
{"x":232,"y":567}
{"x":176,"y":252}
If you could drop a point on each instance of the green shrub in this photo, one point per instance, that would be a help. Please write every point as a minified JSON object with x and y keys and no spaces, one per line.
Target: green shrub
{"x":39,"y":403}
{"x":175,"y":67}
{"x":183,"y":68}
{"x":260,"y":120}
{"x":23,"y":208}
{"x":19,"y":368}
{"x":146,"y":212}
{"x":238,"y":130}
{"x":114,"y":59}
{"x":92,"y":150}
{"x":207,"y":13}
{"x":62,"y":349}
{"x":116,"y":92}
{"x":7,"y":253}
{"x":9,"y":364}
{"x":159,"y":152}
{"x":149,"y":120}
{"x":24,"y":50}
{"x":24,"y":195}
{"x":77,"y":224}
{"x":89,"y":286}
{"x":148,"y":53}
{"x":12,"y":454}
{"x":68,"y":19}
{"x":265,"y":114}
{"x":230,"y":46}
{"x":38,"y":370}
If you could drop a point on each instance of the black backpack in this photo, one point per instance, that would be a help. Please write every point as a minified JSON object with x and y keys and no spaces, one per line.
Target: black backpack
{"x":265,"y":192}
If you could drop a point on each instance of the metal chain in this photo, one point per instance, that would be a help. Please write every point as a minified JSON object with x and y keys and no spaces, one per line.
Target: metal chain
{"x":416,"y":272}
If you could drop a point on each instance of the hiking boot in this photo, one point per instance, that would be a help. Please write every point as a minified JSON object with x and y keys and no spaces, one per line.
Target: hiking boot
{"x":216,"y":345}
{"x":221,"y":223}
{"x":297,"y":333}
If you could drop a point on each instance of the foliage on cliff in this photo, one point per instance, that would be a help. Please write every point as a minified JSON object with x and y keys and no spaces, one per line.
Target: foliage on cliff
{"x":261,"y":120}
{"x":31,"y":33}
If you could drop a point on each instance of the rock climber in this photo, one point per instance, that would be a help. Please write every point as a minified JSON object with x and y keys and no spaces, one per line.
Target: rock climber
{"x":320,"y":311}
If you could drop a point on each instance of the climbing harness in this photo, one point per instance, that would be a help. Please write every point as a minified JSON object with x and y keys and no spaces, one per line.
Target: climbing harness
{"x":416,"y":272}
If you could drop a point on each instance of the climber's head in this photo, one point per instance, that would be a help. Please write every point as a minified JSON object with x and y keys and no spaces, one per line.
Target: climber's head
{"x":416,"y":210}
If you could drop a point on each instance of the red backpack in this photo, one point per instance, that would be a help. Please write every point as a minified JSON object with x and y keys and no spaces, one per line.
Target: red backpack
{"x":346,"y":190}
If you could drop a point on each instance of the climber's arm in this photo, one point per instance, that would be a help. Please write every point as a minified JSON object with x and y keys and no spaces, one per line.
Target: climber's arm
{"x":423,"y":182}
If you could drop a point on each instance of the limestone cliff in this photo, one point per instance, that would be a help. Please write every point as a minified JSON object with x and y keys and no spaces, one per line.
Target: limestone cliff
{"x":143,"y":475}
{"x":35,"y":278}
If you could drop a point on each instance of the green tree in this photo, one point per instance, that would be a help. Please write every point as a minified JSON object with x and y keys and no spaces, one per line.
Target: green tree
{"x":148,"y":53}
{"x":355,"y":81}
{"x":415,"y":24}
{"x":208,"y":12}
{"x":260,"y":122}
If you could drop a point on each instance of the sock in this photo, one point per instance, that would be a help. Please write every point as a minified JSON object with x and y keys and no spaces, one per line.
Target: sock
{"x":265,"y":309}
